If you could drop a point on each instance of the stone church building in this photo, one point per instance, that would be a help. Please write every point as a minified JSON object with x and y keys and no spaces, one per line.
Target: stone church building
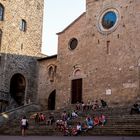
{"x":98,"y":55}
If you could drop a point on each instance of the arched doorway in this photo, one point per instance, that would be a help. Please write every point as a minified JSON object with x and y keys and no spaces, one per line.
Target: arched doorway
{"x":17,"y":88}
{"x":51,"y":101}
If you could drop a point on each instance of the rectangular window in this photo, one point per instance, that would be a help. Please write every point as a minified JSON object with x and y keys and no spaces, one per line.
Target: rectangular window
{"x":1,"y":12}
{"x":0,"y":59}
{"x":0,"y":39}
{"x":23,"y":25}
{"x":108,"y":47}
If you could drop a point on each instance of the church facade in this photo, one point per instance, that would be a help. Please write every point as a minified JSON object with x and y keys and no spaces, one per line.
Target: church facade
{"x":98,"y":57}
{"x":20,"y":46}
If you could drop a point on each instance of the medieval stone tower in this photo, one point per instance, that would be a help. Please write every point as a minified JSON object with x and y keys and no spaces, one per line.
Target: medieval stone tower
{"x":20,"y":45}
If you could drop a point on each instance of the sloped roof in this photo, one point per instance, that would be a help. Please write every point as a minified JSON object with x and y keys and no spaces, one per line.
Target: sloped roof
{"x":48,"y":57}
{"x":71,"y":23}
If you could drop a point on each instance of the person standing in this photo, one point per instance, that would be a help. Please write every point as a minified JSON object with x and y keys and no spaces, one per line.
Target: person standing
{"x":24,"y":125}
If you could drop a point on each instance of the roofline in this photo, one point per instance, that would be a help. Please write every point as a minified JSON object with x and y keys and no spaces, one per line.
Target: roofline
{"x":48,"y":57}
{"x":71,"y":23}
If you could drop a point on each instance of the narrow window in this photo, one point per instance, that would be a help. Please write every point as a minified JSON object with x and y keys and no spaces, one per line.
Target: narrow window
{"x":51,"y":74}
{"x":23,"y":25}
{"x":0,"y":39}
{"x":1,"y":12}
{"x":0,"y":44}
{"x":108,"y":47}
{"x":118,"y":36}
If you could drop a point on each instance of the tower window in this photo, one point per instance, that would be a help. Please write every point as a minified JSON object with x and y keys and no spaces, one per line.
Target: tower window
{"x":1,"y":12}
{"x":0,"y":45}
{"x":23,"y":25}
{"x":0,"y":38}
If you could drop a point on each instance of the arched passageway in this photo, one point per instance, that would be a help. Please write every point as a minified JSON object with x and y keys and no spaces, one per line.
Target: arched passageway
{"x":17,"y":88}
{"x":51,"y":100}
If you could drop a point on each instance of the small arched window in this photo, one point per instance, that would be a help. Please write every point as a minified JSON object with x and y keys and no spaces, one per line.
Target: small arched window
{"x":1,"y":12}
{"x":23,"y":25}
{"x":50,"y":71}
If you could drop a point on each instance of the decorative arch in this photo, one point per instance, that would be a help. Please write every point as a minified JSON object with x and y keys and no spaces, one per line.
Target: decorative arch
{"x":77,"y":72}
{"x":1,"y":12}
{"x":17,"y":88}
{"x":51,"y":100}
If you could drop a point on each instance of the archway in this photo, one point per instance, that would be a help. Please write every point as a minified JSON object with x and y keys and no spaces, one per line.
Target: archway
{"x":51,"y":101}
{"x":17,"y":88}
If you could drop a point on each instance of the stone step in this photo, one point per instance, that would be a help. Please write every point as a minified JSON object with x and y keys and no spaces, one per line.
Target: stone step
{"x":119,"y":122}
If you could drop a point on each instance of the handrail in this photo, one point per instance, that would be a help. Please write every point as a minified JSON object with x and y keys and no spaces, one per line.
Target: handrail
{"x":18,"y":108}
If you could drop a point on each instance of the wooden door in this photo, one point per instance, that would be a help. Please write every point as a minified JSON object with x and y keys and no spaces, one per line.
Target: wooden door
{"x":76,"y":92}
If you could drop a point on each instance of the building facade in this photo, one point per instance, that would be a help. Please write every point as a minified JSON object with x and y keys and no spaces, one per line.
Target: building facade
{"x":20,"y":46}
{"x":98,"y":57}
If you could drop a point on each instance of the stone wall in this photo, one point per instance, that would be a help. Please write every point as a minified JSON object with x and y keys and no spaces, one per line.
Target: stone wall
{"x":19,"y":49}
{"x":70,"y":60}
{"x":107,"y":60}
{"x":15,"y":41}
{"x":118,"y":69}
{"x":46,"y":84}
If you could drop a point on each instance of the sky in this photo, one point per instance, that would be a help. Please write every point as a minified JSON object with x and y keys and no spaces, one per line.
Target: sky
{"x":58,"y":14}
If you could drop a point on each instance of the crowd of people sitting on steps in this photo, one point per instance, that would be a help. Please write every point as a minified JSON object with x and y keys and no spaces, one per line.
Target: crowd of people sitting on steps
{"x":40,"y":117}
{"x":64,"y":122}
{"x":91,"y":105}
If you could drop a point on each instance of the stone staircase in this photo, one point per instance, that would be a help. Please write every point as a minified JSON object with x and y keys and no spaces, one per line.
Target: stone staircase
{"x":125,"y":125}
{"x":119,"y":123}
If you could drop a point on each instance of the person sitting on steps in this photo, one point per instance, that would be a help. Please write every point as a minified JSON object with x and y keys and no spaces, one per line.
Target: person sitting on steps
{"x":103,"y":103}
{"x":135,"y":109}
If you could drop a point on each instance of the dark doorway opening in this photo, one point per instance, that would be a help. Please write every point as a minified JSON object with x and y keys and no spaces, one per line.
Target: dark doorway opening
{"x":3,"y":105}
{"x":17,"y":88}
{"x":76,"y":93}
{"x":51,"y":101}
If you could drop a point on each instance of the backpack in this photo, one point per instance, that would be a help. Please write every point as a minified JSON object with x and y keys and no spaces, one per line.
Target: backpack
{"x":27,"y":124}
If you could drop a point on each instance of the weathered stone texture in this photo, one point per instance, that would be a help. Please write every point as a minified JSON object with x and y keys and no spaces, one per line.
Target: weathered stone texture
{"x":19,"y":50}
{"x":112,"y":74}
{"x":45,"y":85}
{"x":15,"y":41}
